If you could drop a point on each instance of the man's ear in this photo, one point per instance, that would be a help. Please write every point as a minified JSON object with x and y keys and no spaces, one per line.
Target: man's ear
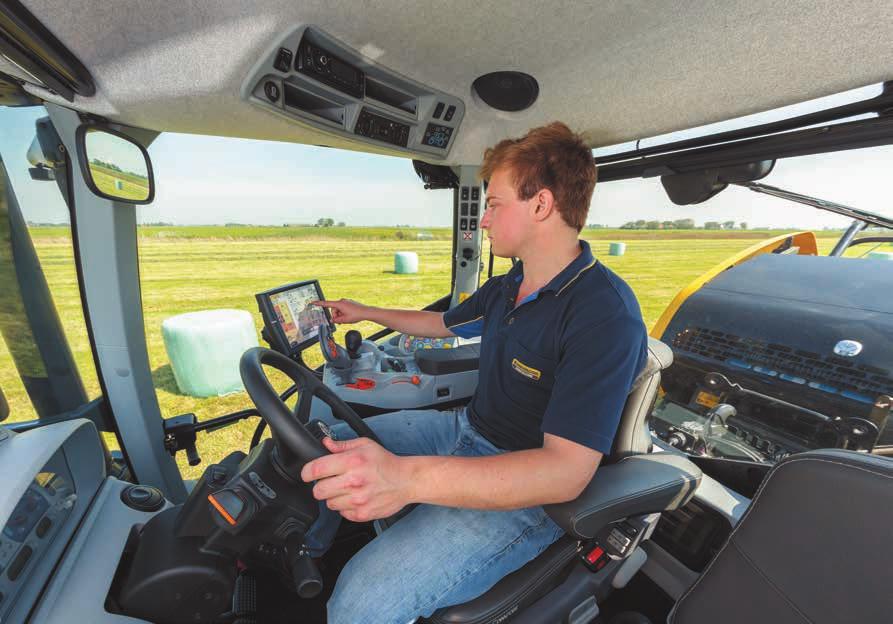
{"x":544,"y":204}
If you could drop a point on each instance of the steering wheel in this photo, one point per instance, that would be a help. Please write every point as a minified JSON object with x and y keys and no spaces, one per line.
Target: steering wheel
{"x":295,"y":443}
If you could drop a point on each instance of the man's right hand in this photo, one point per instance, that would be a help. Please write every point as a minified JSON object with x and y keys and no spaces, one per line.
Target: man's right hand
{"x":345,"y":310}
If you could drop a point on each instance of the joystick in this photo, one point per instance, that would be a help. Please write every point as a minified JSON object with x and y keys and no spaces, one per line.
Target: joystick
{"x":353,"y":340}
{"x":334,"y":354}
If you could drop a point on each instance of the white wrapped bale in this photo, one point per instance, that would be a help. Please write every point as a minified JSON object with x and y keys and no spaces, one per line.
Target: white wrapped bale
{"x":406,"y":262}
{"x":204,"y":349}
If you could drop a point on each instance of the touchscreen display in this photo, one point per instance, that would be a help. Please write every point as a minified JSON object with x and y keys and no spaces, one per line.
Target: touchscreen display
{"x":299,"y":321}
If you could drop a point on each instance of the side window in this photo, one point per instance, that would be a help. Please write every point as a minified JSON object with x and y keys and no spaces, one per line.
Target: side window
{"x":786,"y":327}
{"x":233,"y":218}
{"x":46,"y":361}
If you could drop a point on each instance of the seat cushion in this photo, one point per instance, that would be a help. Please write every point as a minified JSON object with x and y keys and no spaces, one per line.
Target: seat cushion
{"x":814,"y":546}
{"x":514,"y":592}
{"x":660,"y":356}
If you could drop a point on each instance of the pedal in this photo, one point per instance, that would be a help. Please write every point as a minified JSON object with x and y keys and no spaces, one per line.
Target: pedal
{"x":245,"y":599}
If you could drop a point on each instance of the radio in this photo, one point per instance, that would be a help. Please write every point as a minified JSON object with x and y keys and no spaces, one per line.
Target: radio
{"x":318,"y":63}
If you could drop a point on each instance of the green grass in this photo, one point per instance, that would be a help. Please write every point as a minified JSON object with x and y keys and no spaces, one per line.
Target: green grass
{"x":132,"y":187}
{"x":191,"y":269}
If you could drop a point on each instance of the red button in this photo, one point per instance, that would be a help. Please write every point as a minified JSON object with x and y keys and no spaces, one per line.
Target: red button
{"x":595,"y":555}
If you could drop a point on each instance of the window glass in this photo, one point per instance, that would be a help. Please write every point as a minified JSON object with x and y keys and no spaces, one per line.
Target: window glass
{"x":235,"y":217}
{"x":46,"y":362}
{"x":781,"y":348}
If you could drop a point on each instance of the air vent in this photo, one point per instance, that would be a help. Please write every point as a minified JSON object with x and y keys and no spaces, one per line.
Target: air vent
{"x":831,"y":374}
{"x":508,"y":91}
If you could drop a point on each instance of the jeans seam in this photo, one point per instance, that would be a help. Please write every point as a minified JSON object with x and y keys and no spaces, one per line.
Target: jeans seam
{"x":490,"y":560}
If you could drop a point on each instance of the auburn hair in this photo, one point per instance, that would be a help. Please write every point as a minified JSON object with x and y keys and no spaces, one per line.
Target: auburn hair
{"x":551,"y":157}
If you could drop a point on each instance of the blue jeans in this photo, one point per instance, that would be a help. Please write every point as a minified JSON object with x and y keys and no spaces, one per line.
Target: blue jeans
{"x":435,"y":556}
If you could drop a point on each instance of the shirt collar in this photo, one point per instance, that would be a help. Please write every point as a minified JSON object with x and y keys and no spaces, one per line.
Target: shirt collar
{"x":567,"y":275}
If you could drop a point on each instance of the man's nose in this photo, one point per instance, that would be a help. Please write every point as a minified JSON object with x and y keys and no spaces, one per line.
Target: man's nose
{"x":485,"y":220}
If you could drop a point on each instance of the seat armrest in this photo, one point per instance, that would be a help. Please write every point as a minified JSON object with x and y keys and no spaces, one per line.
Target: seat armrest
{"x":636,"y":485}
{"x":447,"y":361}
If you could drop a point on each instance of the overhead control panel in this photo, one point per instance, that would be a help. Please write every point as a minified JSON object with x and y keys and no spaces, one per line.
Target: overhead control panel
{"x":314,"y":79}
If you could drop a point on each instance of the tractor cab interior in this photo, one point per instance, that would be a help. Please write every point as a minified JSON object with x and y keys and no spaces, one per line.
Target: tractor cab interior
{"x":748,"y":479}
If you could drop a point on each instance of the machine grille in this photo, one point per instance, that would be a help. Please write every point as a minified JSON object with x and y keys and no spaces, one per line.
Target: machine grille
{"x":832,"y":374}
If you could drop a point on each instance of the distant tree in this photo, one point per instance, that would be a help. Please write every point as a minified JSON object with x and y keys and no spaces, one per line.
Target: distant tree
{"x":728,"y":225}
{"x":684,"y":224}
{"x":652,"y":225}
{"x":640,"y":224}
{"x":667,"y":225}
{"x":341,"y":224}
{"x":743,"y":225}
{"x":325,"y":222}
{"x":399,"y":234}
{"x":595,"y":226}
{"x":629,"y":225}
{"x":712,"y":225}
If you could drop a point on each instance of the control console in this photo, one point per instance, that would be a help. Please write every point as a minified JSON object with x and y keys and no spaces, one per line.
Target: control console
{"x":318,"y":81}
{"x":406,"y":372}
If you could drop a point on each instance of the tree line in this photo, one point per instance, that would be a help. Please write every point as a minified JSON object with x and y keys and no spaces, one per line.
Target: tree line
{"x":114,"y":167}
{"x":682,"y":224}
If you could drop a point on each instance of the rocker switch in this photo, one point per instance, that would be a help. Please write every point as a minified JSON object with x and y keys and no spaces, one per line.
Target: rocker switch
{"x":228,"y":504}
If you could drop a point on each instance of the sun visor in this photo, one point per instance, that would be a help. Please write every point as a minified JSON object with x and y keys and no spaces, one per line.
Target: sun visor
{"x":698,"y":186}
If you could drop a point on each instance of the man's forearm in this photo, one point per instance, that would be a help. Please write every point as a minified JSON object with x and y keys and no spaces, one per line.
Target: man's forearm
{"x":500,"y":482}
{"x":414,"y":322}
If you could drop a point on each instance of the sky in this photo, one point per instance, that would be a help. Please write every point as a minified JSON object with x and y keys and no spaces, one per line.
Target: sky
{"x":217,"y":180}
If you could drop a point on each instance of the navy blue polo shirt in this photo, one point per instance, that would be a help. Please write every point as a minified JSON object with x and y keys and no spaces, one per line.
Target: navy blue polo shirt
{"x":562,"y":362}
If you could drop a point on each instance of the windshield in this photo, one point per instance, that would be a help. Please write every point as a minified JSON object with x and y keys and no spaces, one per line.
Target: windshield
{"x":46,"y":362}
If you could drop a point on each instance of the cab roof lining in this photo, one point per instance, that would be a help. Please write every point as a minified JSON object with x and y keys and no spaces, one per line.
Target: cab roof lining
{"x":618,"y":70}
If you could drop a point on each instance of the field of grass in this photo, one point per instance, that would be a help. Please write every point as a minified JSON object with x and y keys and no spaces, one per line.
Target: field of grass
{"x":106,"y":180}
{"x":191,"y":269}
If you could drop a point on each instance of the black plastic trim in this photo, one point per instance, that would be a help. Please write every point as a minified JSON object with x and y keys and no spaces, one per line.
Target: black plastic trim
{"x":880,"y":104}
{"x":838,"y":137}
{"x":29,"y":44}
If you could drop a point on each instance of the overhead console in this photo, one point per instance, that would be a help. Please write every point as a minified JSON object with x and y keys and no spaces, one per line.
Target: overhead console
{"x":314,"y":79}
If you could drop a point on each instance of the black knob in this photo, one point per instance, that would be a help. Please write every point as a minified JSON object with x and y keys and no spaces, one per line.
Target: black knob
{"x":677,"y":440}
{"x":192,"y":455}
{"x":271,"y":89}
{"x":352,"y":340}
{"x":304,"y":573}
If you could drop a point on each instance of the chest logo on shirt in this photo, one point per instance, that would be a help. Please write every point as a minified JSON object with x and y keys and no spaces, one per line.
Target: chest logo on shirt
{"x":527,"y":371}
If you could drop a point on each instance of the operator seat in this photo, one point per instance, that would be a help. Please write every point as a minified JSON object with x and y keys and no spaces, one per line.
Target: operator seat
{"x":629,"y":482}
{"x":814,"y":546}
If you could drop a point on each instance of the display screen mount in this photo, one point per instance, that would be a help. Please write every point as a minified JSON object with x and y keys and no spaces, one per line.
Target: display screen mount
{"x":290,"y":323}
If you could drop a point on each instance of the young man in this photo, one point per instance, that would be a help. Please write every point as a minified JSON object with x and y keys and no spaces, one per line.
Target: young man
{"x":562,"y":340}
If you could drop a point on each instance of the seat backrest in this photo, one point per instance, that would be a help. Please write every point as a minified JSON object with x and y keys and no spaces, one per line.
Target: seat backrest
{"x":814,"y":546}
{"x":633,"y":436}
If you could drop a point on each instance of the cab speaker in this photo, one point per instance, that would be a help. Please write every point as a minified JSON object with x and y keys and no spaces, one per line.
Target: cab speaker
{"x":508,"y":91}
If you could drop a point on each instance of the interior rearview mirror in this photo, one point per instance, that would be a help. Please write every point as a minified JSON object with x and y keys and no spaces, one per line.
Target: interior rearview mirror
{"x":695,"y":187}
{"x":115,"y":166}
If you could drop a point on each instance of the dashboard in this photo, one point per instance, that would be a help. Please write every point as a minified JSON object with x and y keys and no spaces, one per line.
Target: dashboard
{"x":33,"y":524}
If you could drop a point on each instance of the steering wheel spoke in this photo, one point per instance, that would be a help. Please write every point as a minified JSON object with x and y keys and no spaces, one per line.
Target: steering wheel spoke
{"x":296,"y":445}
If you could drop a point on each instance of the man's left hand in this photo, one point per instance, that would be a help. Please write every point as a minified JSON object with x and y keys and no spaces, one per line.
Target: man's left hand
{"x":360,"y":479}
